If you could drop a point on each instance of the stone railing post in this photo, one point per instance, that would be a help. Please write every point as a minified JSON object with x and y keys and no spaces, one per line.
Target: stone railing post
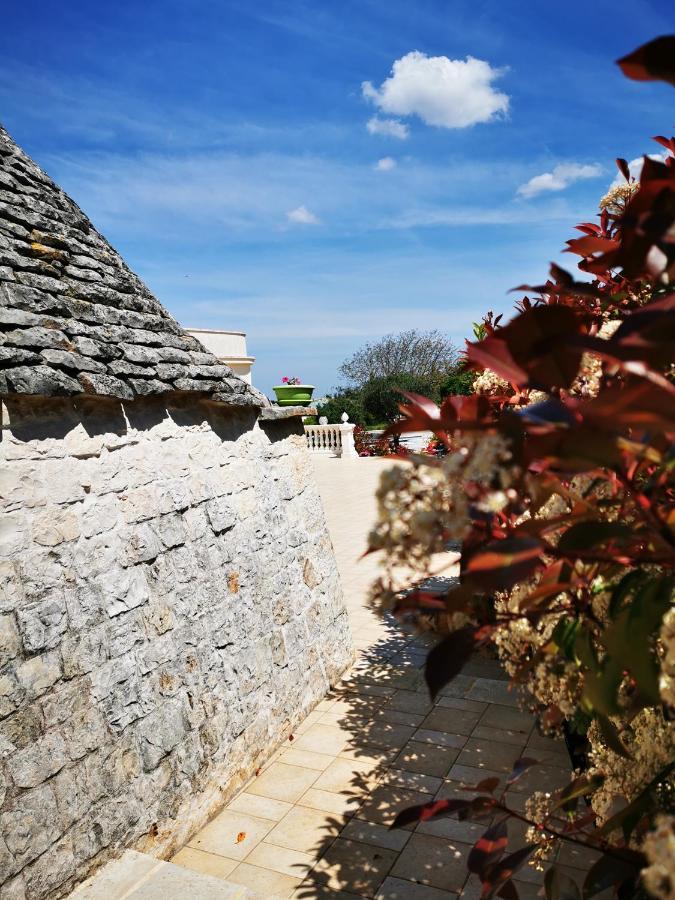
{"x":347,"y":438}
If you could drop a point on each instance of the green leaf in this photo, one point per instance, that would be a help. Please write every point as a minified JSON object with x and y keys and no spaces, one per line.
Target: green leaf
{"x":627,"y":584}
{"x":580,"y":787}
{"x":565,"y":634}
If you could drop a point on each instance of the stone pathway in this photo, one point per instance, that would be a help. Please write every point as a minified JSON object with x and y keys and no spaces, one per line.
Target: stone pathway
{"x":314,"y":822}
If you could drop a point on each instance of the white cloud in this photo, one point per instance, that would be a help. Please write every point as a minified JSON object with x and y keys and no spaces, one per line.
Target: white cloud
{"x":559,"y":178}
{"x":386,"y":164}
{"x":302,"y":216}
{"x":387,"y":127}
{"x":448,"y":93}
{"x":635,"y":167}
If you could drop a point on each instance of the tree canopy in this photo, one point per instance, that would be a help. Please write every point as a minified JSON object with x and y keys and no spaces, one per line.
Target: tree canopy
{"x":426,"y":354}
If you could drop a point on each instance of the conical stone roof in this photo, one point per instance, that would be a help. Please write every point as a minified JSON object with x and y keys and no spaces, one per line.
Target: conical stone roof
{"x":74,"y":319}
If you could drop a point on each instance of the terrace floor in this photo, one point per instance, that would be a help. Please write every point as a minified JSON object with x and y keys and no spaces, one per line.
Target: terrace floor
{"x":316,"y":817}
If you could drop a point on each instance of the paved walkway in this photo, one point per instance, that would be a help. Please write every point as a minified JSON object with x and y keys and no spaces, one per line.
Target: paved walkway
{"x":315,"y":820}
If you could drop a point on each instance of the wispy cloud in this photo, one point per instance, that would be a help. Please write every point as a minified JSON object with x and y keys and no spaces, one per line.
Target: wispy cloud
{"x":386,"y":164}
{"x":559,"y":178}
{"x":388,"y":127}
{"x":447,"y":93}
{"x":302,"y":216}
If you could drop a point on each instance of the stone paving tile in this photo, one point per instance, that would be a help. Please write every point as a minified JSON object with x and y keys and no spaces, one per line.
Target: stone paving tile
{"x":321,"y":807}
{"x":206,"y":863}
{"x":433,"y":861}
{"x":337,"y":804}
{"x":268,"y":882}
{"x":451,"y":721}
{"x":354,"y":866}
{"x":283,"y":782}
{"x":305,"y":829}
{"x":398,"y":889}
{"x":500,"y":717}
{"x":223,"y":835}
{"x":425,"y":758}
{"x":415,"y":781}
{"x":378,"y":835}
{"x":322,"y":739}
{"x":263,"y":807}
{"x":386,"y":801}
{"x":486,"y":754}
{"x":281,"y":859}
{"x":306,"y":759}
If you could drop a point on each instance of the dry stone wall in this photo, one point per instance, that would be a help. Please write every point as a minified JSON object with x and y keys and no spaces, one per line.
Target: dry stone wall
{"x":169,"y":610}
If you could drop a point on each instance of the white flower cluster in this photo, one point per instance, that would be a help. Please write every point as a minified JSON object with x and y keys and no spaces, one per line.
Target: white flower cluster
{"x":650,"y":742}
{"x":617,"y":197}
{"x":659,"y":848}
{"x":667,"y":648}
{"x":423,"y":507}
{"x":488,"y":382}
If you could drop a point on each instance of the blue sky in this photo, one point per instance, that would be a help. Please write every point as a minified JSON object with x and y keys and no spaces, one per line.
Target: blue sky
{"x":231,"y":152}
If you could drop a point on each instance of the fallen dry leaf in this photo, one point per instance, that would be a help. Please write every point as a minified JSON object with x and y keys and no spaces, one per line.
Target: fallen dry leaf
{"x":241,"y":837}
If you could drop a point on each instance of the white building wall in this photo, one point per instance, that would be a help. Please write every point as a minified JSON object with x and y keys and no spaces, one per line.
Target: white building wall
{"x":229,"y":347}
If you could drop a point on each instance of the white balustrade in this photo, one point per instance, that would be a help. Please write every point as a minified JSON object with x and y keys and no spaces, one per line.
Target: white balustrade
{"x":332,"y":440}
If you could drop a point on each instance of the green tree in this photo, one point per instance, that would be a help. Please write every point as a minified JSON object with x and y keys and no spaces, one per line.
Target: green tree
{"x":342,"y":400}
{"x":381,"y":396}
{"x":458,"y":382}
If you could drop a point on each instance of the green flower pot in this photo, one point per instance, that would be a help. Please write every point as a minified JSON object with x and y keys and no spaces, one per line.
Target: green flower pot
{"x":294,"y":394}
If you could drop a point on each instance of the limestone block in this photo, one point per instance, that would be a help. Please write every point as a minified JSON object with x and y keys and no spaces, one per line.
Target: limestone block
{"x":140,"y":504}
{"x":221,"y":514}
{"x":54,"y":526}
{"x":84,"y":732}
{"x":84,"y":652}
{"x":159,"y":734}
{"x":171,"y":530}
{"x":173,"y":495}
{"x":38,"y":762}
{"x":11,"y":588}
{"x":11,"y":693}
{"x":65,"y":701}
{"x":14,"y":888}
{"x":100,"y":514}
{"x":9,"y":637}
{"x":21,"y":489}
{"x":14,"y":533}
{"x":140,"y":543}
{"x":30,"y":825}
{"x":39,"y":673}
{"x":129,"y":587}
{"x":51,"y":869}
{"x":42,"y":625}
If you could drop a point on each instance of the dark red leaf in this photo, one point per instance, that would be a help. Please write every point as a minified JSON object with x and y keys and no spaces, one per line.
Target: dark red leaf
{"x":622,"y":166}
{"x":500,"y":564}
{"x":488,"y":784}
{"x":520,"y":767}
{"x":508,"y":891}
{"x":502,"y":872}
{"x":426,"y":811}
{"x":609,"y":871}
{"x":559,"y":886}
{"x":583,"y":535}
{"x":448,"y":658}
{"x":492,"y":353}
{"x":488,"y":849}
{"x":654,"y":61}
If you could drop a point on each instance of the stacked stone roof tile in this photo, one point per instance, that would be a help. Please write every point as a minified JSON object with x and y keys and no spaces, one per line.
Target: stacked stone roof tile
{"x":74,"y":319}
